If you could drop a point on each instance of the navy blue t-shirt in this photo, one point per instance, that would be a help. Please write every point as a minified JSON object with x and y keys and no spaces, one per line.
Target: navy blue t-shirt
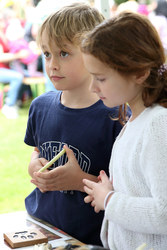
{"x":90,"y":133}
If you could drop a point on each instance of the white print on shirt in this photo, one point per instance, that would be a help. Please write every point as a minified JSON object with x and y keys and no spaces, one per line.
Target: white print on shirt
{"x":49,"y":149}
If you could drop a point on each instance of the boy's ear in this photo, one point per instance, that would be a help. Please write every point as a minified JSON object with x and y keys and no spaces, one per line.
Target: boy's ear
{"x":142,"y":76}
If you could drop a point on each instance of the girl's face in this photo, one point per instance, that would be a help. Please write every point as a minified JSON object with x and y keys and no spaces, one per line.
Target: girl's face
{"x":111,"y":87}
{"x":64,"y":67}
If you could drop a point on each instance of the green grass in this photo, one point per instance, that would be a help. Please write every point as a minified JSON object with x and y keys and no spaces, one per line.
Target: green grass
{"x":14,"y":159}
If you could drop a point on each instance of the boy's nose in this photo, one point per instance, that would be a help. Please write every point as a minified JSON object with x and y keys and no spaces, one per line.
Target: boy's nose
{"x":54,"y":64}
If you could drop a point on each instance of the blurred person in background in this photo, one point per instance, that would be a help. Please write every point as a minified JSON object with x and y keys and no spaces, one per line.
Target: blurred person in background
{"x":15,"y":32}
{"x":8,"y":75}
{"x":159,"y":19}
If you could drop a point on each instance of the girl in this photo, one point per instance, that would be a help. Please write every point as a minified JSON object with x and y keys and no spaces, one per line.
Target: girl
{"x":126,"y":60}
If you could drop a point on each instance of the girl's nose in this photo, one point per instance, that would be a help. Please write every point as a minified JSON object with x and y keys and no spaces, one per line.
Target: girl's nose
{"x":93,"y":86}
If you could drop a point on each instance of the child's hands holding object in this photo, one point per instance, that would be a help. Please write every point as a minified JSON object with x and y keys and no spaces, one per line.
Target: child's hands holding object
{"x":66,"y":177}
{"x":98,"y":192}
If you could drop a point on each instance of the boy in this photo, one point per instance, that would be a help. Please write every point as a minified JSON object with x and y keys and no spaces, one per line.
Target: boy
{"x":72,"y":116}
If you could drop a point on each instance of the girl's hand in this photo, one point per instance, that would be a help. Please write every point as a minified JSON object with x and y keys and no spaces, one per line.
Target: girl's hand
{"x":97,"y":191}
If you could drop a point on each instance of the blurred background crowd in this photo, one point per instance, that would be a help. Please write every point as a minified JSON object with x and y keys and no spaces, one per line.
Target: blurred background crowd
{"x":19,"y":54}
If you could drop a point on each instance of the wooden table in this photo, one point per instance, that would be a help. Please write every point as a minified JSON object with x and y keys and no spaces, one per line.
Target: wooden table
{"x":20,"y":221}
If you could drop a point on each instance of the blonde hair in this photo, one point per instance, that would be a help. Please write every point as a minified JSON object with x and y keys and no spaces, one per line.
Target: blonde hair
{"x":70,"y":23}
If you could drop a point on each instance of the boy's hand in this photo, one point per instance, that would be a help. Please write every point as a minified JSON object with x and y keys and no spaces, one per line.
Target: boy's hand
{"x":66,"y":177}
{"x":36,"y":163}
{"x":97,"y":191}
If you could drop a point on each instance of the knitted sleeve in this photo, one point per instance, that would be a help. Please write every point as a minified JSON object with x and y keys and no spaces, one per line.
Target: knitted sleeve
{"x":146,"y":214}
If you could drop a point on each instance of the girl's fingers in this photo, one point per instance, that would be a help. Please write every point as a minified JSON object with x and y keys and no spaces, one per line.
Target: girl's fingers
{"x":88,"y":183}
{"x":88,"y":199}
{"x":88,"y":190}
{"x":93,"y":203}
{"x":103,"y":176}
{"x":96,"y":210}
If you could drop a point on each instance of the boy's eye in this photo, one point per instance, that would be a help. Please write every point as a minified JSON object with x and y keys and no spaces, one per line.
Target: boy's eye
{"x":46,"y":54}
{"x":64,"y":54}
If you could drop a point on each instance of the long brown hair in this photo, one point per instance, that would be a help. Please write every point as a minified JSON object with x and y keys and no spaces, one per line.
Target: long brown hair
{"x":130,"y":44}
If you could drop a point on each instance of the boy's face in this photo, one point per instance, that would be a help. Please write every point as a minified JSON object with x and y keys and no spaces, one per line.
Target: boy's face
{"x":64,"y":67}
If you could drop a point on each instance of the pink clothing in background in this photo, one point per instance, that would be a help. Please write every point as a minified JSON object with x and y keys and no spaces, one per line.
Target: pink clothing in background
{"x":142,"y":9}
{"x":16,"y":46}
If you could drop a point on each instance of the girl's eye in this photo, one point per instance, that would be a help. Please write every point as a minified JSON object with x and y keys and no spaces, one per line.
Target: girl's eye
{"x":100,"y":79}
{"x":64,"y":54}
{"x":46,"y":54}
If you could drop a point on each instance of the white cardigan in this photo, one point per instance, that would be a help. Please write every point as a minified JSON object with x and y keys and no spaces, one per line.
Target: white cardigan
{"x":137,"y":211}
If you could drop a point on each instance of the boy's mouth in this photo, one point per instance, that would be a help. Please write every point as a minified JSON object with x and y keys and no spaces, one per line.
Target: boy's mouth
{"x":56,"y":78}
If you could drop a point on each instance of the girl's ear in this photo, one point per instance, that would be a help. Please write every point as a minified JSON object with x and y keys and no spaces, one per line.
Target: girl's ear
{"x":142,"y":76}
